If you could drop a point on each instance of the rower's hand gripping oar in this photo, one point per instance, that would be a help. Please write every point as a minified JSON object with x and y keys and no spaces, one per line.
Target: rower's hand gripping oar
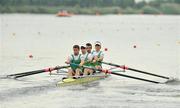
{"x":118,"y":74}
{"x":135,"y":70}
{"x":18,"y":75}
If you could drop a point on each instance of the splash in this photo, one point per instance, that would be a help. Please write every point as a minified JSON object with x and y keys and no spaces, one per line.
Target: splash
{"x":173,"y":81}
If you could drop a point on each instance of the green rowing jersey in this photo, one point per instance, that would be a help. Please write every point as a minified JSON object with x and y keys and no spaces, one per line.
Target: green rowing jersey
{"x":86,"y":60}
{"x":75,"y":61}
{"x":98,"y":54}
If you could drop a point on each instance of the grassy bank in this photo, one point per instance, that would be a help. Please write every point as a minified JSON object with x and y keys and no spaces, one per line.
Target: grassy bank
{"x":163,"y":9}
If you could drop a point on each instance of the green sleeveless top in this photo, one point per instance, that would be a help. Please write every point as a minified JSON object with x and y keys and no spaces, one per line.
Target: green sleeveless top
{"x":78,"y":61}
{"x":97,"y":63}
{"x":87,"y":63}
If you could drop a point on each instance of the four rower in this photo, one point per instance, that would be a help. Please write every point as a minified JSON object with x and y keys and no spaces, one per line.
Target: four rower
{"x":87,"y":58}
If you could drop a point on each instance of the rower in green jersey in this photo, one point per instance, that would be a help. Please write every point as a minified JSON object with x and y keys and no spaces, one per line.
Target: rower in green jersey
{"x":87,"y":59}
{"x":98,"y":55}
{"x":76,"y":59}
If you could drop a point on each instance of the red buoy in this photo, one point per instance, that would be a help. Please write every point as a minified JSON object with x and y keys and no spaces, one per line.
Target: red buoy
{"x":30,"y":56}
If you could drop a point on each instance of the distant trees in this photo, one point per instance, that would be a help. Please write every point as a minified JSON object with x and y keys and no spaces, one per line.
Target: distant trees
{"x":81,"y":3}
{"x":91,"y":6}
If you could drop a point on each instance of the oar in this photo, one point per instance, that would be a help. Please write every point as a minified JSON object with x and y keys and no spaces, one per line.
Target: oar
{"x":137,"y":78}
{"x":135,"y":70}
{"x":36,"y":72}
{"x":114,"y":73}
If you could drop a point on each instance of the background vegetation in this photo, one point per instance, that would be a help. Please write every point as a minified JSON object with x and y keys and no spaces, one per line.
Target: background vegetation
{"x":91,"y":6}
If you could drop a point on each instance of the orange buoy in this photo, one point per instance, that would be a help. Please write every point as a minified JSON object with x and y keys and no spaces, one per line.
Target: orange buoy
{"x":64,"y":13}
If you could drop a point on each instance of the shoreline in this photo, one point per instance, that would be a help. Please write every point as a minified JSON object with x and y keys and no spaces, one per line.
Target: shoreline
{"x":92,"y":14}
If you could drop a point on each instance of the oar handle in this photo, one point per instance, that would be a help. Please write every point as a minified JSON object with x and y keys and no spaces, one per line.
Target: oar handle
{"x":73,"y":64}
{"x":101,"y":70}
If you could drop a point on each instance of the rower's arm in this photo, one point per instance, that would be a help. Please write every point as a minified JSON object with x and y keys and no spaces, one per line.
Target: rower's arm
{"x":68,"y":60}
{"x":82,"y":63}
{"x":100,"y":58}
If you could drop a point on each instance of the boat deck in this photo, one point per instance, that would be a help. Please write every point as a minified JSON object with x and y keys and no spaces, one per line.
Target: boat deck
{"x":82,"y":80}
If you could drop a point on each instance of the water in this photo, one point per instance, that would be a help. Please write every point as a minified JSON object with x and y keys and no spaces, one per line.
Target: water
{"x":49,"y":39}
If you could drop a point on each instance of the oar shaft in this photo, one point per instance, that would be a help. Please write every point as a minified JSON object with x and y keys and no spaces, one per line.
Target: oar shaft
{"x":135,"y":70}
{"x":26,"y":72}
{"x":36,"y":72}
{"x":23,"y":75}
{"x":137,"y":78}
{"x":112,"y":64}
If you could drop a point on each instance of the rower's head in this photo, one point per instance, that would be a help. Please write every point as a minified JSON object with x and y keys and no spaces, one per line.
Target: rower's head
{"x":97,"y":46}
{"x":76,"y":49}
{"x":88,"y":47}
{"x":83,"y":49}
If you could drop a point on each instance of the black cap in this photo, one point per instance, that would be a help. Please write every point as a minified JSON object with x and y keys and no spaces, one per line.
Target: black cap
{"x":83,"y":47}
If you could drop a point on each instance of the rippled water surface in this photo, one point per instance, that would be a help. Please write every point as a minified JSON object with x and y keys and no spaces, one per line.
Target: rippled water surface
{"x":49,"y":39}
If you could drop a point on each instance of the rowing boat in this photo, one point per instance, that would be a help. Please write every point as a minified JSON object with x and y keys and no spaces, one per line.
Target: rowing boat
{"x":101,"y":74}
{"x":81,"y":80}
